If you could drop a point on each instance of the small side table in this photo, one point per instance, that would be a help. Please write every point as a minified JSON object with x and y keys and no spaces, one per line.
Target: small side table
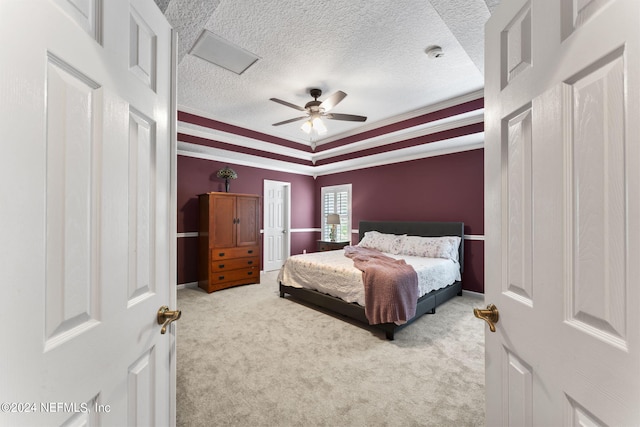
{"x":324,"y":245}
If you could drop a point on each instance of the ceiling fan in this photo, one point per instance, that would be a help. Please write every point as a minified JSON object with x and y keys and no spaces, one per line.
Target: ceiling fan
{"x":315,"y":110}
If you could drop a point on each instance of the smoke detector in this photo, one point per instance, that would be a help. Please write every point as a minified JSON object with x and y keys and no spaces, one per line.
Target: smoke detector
{"x":434,"y":52}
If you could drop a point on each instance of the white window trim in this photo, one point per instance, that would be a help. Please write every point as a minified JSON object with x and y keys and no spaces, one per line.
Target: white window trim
{"x":335,"y":189}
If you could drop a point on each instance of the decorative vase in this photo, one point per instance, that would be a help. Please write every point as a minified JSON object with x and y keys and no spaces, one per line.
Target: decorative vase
{"x":227,"y":173}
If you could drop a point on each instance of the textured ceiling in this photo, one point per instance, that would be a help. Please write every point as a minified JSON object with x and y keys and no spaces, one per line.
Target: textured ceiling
{"x":372,"y":50}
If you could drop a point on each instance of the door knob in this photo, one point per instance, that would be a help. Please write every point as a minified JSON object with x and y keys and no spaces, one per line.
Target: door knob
{"x":166,"y":316}
{"x":489,"y":315}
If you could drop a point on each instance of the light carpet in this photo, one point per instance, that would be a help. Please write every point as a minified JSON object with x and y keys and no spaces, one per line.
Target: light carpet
{"x":247,"y":357}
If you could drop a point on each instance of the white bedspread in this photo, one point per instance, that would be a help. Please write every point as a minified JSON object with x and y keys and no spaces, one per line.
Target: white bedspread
{"x":333,"y":273}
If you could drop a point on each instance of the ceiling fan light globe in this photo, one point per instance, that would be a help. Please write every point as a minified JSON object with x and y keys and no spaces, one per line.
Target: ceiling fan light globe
{"x":319,"y":126}
{"x":306,"y":126}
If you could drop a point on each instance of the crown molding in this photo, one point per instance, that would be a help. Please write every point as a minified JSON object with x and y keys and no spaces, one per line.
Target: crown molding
{"x":210,"y":153}
{"x":432,"y":149}
{"x":430,"y":128}
{"x":441,"y":125}
{"x":416,"y":152}
{"x":451,"y":102}
{"x":411,"y":133}
{"x":240,"y":141}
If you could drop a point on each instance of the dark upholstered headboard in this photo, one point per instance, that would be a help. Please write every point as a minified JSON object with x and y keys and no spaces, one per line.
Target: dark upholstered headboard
{"x":425,"y":229}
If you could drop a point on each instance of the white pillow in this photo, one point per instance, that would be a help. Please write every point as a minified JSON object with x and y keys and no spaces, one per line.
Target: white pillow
{"x":431,"y":247}
{"x":389,"y":243}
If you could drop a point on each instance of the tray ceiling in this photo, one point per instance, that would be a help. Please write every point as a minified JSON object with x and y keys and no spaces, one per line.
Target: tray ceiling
{"x":375,"y":51}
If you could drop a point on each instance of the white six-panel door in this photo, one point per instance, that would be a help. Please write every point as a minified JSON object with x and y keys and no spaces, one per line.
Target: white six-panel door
{"x":277,"y":239}
{"x":562,"y":209}
{"x":85,"y":172}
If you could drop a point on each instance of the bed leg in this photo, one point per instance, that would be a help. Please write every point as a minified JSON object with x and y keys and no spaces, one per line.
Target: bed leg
{"x":389,"y":335}
{"x":433,"y":311}
{"x":460,"y":293}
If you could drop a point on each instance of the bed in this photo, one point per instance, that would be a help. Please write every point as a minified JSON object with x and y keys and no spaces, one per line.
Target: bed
{"x":349,"y":303}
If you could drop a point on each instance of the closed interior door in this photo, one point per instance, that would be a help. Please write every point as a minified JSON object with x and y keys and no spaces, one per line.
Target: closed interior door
{"x":86,"y":218}
{"x":276,"y":224}
{"x":562,"y":176}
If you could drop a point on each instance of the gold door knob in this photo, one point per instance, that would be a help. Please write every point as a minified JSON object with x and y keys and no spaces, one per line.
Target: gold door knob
{"x":166,"y":316}
{"x":489,"y":315}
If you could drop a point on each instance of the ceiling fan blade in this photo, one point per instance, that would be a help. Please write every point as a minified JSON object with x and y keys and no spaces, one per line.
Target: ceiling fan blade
{"x":346,"y":117}
{"x":333,"y":100}
{"x":290,"y":121}
{"x":288,"y":104}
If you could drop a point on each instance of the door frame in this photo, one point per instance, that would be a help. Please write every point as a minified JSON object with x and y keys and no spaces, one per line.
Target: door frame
{"x":173,"y":220}
{"x":286,"y":220}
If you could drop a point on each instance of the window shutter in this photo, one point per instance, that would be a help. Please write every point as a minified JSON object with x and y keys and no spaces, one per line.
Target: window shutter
{"x":342,"y":209}
{"x":337,"y":199}
{"x":329,"y":207}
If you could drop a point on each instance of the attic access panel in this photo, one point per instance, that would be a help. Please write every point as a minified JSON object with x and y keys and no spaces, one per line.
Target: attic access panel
{"x":223,"y":53}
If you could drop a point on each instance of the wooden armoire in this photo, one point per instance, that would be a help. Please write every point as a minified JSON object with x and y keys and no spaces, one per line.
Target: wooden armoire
{"x":228,"y":240}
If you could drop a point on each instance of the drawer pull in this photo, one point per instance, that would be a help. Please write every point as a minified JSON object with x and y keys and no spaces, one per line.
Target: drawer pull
{"x":220,"y":277}
{"x":221,"y":254}
{"x":220,"y":265}
{"x":250,"y":262}
{"x":250,"y":252}
{"x":250,"y":273}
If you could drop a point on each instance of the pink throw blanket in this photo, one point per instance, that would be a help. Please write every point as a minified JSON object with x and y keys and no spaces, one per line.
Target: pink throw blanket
{"x":390,"y":285}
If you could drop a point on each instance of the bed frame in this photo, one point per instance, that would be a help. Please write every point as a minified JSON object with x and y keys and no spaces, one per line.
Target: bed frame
{"x":426,"y":304}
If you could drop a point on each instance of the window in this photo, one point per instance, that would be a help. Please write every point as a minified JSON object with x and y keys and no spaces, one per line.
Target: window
{"x":337,"y":199}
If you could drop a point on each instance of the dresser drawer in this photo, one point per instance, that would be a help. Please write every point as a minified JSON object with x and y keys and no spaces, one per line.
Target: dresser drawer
{"x":241,"y":252}
{"x":250,"y":273}
{"x":234,"y":264}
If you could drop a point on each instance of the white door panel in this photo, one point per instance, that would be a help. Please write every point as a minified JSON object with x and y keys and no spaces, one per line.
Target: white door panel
{"x":276,"y":224}
{"x":562,"y":162}
{"x":86,"y":174}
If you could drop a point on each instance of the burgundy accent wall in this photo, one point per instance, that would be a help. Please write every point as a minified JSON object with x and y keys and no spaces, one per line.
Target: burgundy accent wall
{"x":441,"y":188}
{"x":196,"y":176}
